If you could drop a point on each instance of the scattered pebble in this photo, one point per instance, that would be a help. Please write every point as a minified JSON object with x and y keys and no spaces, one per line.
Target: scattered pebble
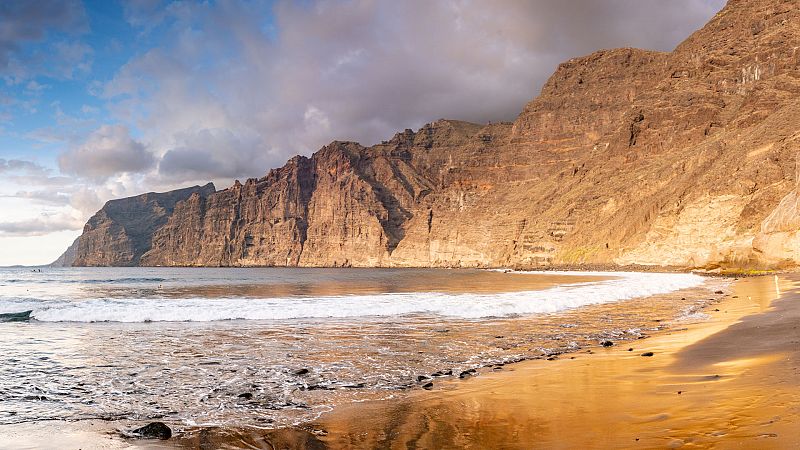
{"x":648,"y":354}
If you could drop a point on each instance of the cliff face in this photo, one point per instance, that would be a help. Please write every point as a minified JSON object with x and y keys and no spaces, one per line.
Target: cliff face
{"x":628,"y":156}
{"x":122,"y":230}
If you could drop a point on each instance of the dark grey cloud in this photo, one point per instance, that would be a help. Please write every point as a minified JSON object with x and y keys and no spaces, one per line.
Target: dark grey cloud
{"x":23,"y":22}
{"x":210,"y":154}
{"x":355,"y":70}
{"x":108,"y":151}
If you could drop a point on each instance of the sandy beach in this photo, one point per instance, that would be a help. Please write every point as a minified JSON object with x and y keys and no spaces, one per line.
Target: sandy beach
{"x":728,"y":382}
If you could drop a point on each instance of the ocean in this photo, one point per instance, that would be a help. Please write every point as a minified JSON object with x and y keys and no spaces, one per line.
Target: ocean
{"x":269,"y":347}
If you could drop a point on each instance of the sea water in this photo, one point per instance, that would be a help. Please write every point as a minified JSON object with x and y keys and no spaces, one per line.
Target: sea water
{"x":274,"y":347}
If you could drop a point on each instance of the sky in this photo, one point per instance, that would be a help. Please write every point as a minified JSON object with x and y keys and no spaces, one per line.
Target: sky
{"x":105,"y":99}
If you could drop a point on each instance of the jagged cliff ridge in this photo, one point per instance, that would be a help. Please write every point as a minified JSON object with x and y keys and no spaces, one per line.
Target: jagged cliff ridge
{"x":627,"y":157}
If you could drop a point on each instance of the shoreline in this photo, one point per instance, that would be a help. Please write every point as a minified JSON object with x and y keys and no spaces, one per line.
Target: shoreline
{"x":609,"y":398}
{"x":423,"y":417}
{"x":717,"y":271}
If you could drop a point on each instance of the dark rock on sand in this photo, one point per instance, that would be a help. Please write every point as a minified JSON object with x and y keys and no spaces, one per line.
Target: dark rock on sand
{"x":319,"y":387}
{"x":427,"y":386}
{"x":422,"y":378}
{"x":606,"y":343}
{"x":302,"y":372}
{"x":155,"y":430}
{"x":467,"y":373}
{"x":245,"y":395}
{"x":648,"y":354}
{"x":718,"y":292}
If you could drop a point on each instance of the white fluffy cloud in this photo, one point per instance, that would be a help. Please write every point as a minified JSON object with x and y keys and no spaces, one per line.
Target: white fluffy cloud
{"x":40,"y":226}
{"x":108,"y":151}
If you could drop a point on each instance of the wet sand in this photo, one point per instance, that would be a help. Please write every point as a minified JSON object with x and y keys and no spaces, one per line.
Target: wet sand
{"x":723,"y":383}
{"x":730,"y":382}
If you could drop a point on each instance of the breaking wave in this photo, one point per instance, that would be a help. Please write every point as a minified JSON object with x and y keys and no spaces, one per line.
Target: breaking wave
{"x":621,"y":286}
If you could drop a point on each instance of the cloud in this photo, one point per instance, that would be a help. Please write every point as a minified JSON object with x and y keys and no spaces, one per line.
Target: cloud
{"x":22,"y":166}
{"x":145,"y":14}
{"x":213,"y":153}
{"x":45,"y":224}
{"x":70,"y":60}
{"x":107,"y":151}
{"x":39,"y":38}
{"x":23,"y":21}
{"x":87,"y":200}
{"x":35,"y":87}
{"x":236,"y":88}
{"x":87,"y":109}
{"x":47,"y":197}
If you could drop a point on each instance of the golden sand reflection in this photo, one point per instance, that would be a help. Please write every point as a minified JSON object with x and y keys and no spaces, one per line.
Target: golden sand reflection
{"x":740,"y":365}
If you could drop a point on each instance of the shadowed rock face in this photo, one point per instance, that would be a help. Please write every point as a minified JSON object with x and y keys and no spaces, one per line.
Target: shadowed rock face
{"x":627,"y":157}
{"x":122,"y":230}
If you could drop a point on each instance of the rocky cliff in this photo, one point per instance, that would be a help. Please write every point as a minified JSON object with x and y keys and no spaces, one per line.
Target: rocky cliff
{"x":627,"y":157}
{"x":122,"y":231}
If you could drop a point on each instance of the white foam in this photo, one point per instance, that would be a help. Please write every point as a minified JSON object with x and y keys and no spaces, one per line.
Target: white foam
{"x":623,"y":286}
